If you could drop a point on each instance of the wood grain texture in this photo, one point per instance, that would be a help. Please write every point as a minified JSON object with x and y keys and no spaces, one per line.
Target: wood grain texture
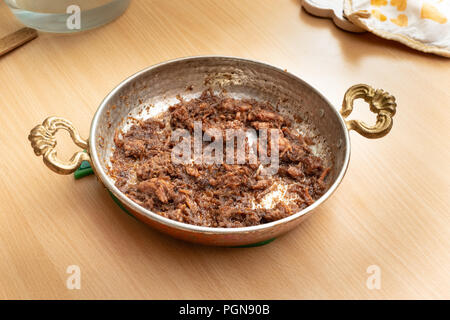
{"x":16,"y":39}
{"x":391,"y":210}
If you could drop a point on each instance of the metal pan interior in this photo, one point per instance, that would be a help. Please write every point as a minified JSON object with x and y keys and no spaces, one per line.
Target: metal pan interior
{"x":152,"y":91}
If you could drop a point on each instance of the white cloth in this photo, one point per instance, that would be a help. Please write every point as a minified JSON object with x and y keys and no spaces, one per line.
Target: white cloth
{"x":421,"y":24}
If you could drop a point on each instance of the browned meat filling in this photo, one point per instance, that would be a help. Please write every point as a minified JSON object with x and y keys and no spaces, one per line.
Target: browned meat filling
{"x":216,"y":195}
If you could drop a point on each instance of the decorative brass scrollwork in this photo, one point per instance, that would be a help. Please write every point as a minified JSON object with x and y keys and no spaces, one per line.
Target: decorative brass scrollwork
{"x":381,"y":103}
{"x":43,"y":141}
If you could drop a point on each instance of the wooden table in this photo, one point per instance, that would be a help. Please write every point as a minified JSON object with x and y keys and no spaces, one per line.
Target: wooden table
{"x":391,"y":210}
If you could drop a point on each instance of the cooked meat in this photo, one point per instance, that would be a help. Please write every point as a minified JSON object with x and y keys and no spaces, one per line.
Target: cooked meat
{"x":217,"y":195}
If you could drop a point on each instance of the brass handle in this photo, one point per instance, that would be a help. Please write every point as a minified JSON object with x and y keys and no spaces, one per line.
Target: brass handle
{"x":381,"y":103}
{"x":43,"y":141}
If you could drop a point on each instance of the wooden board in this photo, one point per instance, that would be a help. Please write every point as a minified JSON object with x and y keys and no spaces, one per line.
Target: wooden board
{"x":391,"y":210}
{"x":333,"y":10}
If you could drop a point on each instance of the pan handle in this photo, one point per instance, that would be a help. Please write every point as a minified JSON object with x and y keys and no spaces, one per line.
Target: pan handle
{"x":43,"y":141}
{"x":381,"y":103}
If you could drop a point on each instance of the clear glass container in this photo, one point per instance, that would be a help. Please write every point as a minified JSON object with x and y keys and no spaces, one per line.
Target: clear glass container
{"x":65,"y":16}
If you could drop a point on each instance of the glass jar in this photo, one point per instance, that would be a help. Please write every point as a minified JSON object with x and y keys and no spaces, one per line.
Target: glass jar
{"x":65,"y":16}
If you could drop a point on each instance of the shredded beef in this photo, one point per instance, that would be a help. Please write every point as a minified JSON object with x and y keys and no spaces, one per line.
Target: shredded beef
{"x":216,"y":195}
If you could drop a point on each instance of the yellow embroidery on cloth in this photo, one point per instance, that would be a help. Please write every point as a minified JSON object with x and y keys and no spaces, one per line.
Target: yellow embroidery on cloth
{"x":400,"y":4}
{"x":431,"y":12}
{"x":401,"y":20}
{"x":420,"y":24}
{"x":377,"y":14}
{"x":378,"y":3}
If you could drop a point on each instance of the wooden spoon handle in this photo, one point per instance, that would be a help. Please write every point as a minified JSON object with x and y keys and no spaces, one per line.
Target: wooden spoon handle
{"x":16,"y":39}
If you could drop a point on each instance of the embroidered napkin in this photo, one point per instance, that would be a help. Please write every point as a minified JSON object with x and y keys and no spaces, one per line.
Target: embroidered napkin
{"x":420,"y":24}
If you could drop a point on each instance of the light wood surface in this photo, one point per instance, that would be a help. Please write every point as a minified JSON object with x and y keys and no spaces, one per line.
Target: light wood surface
{"x":16,"y":39}
{"x":391,"y":210}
